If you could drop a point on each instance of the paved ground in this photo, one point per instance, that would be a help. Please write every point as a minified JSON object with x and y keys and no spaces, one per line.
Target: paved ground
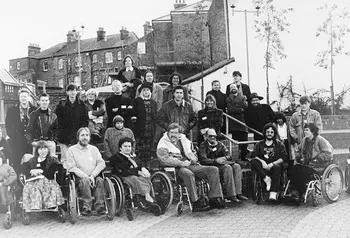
{"x":247,"y":220}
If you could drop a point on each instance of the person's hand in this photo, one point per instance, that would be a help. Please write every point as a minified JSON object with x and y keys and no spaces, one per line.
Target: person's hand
{"x":145,"y":172}
{"x":36,"y":172}
{"x":92,"y":181}
{"x":220,"y":160}
{"x":186,"y":163}
{"x":269,"y":166}
{"x":115,"y":109}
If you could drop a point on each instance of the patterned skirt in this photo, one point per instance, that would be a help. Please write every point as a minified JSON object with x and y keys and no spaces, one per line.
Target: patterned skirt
{"x":42,"y":194}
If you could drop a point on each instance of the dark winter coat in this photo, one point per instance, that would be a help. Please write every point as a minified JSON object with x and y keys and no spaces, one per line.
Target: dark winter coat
{"x":71,"y":117}
{"x":168,"y":94}
{"x":220,"y":98}
{"x":235,"y":108}
{"x":257,"y":117}
{"x":98,"y":108}
{"x":38,"y":129}
{"x":136,"y":81}
{"x":245,"y":90}
{"x":210,"y":118}
{"x":139,"y":112}
{"x":121,"y":166}
{"x":122,"y":78}
{"x":124,"y":105}
{"x":209,"y":153}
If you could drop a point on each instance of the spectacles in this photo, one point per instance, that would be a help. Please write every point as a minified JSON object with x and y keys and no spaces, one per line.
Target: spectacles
{"x":212,"y":136}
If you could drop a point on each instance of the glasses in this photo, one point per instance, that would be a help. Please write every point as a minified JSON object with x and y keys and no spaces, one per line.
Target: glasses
{"x":211,"y":136}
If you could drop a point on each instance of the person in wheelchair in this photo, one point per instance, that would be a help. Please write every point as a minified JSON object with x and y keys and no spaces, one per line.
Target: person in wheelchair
{"x":315,"y":154}
{"x":213,"y":152}
{"x":8,"y":176}
{"x":174,"y":149}
{"x":267,"y":159}
{"x":138,"y":178}
{"x":85,"y":161}
{"x":41,"y":191}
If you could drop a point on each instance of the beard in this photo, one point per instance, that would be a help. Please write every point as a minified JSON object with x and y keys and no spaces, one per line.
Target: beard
{"x":84,"y":142}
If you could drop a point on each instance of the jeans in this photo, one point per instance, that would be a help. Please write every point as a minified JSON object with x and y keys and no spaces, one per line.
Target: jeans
{"x":232,"y":176}
{"x":85,"y":192}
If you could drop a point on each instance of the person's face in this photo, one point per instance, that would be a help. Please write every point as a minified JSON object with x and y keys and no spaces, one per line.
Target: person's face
{"x":280,"y":122}
{"x":216,"y":86}
{"x":174,"y":135}
{"x":211,"y":138}
{"x":23,"y":97}
{"x":233,"y":88}
{"x":117,"y":87}
{"x":255,"y":102}
{"x":308,"y":134}
{"x":237,"y":79}
{"x":149,"y":77}
{"x":146,"y":92}
{"x":91,"y":96}
{"x":126,"y":148}
{"x":128,"y":62}
{"x":209,"y":103}
{"x":84,"y":138}
{"x":175,"y":80}
{"x":178,"y":94}
{"x":44,"y":102}
{"x":270,"y":134}
{"x":43,"y":151}
{"x":119,"y":125}
{"x":305,"y":106}
{"x":72,"y":93}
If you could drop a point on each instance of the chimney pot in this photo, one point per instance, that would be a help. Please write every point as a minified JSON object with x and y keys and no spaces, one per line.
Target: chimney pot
{"x":101,"y":34}
{"x":33,"y":49}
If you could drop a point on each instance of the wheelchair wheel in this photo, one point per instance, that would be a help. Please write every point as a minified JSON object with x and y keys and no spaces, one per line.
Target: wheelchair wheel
{"x":61,"y":215}
{"x":119,"y":195}
{"x":179,"y":208}
{"x":332,"y":183}
{"x":254,"y":186}
{"x":109,"y":198}
{"x":129,"y":214}
{"x":7,"y":221}
{"x":25,"y":218}
{"x":163,"y":188}
{"x":347,"y":178}
{"x":72,"y":202}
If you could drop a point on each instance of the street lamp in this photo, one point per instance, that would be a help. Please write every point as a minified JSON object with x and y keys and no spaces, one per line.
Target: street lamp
{"x":79,"y":33}
{"x":257,"y":11}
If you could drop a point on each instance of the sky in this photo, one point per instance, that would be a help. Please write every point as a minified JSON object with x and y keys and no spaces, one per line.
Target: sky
{"x":47,"y":22}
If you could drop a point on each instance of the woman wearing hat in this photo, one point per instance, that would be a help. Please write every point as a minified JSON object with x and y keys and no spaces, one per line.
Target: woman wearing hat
{"x":157,"y":90}
{"x":144,"y":113}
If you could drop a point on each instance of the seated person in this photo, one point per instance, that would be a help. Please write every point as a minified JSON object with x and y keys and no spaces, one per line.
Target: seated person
{"x":114,"y":134}
{"x":138,"y":178}
{"x":213,"y":152}
{"x":41,"y":190}
{"x":268,"y":156}
{"x":174,"y":149}
{"x":86,"y":162}
{"x":7,"y":177}
{"x":315,"y":154}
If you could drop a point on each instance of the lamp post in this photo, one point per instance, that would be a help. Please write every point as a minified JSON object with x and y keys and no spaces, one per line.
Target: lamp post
{"x":79,"y":33}
{"x":257,"y":11}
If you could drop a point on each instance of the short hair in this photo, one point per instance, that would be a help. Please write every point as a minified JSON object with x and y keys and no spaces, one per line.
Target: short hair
{"x":44,"y":95}
{"x":125,"y":139}
{"x":128,"y":56}
{"x":236,"y":73}
{"x":39,"y":145}
{"x":71,"y":87}
{"x":215,"y":81}
{"x":304,"y":99}
{"x":173,"y":126}
{"x":92,"y":91}
{"x":23,"y":90}
{"x":82,"y":129}
{"x":313,"y":128}
{"x":270,"y":125}
{"x":178,"y":87}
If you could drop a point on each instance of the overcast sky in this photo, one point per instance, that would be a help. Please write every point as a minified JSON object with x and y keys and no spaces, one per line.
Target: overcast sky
{"x":47,"y":22}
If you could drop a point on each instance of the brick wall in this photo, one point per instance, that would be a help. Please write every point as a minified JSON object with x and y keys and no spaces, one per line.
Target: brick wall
{"x":163,"y":41}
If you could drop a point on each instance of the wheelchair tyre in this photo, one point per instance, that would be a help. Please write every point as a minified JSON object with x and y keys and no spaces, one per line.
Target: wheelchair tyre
{"x":179,"y":208}
{"x":162,"y":188}
{"x":119,"y":195}
{"x":332,"y":183}
{"x":72,"y":202}
{"x":110,"y":199}
{"x":129,"y":214}
{"x":347,"y":178}
{"x":7,"y":223}
{"x":61,"y":215}
{"x":25,"y":218}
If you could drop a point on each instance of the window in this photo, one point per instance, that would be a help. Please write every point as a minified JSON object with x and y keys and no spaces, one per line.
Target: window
{"x":119,"y":55}
{"x":60,"y":83}
{"x":45,"y":66}
{"x":60,"y":64}
{"x":18,"y":66}
{"x":9,"y":89}
{"x":108,"y":57}
{"x":76,"y":62}
{"x":94,"y":58}
{"x":77,"y":81}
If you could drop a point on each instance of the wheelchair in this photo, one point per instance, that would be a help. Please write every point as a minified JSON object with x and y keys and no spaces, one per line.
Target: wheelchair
{"x":11,"y":208}
{"x":73,"y":198}
{"x":328,"y":182}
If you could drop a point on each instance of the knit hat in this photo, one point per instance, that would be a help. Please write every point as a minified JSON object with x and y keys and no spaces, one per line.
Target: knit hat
{"x":118,"y":118}
{"x":145,"y":85}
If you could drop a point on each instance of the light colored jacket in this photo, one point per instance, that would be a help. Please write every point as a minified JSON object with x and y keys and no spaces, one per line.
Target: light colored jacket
{"x":322,"y":151}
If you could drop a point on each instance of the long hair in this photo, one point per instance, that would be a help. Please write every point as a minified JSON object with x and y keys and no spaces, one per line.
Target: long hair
{"x":267,"y":126}
{"x":42,"y":144}
{"x":210,"y":97}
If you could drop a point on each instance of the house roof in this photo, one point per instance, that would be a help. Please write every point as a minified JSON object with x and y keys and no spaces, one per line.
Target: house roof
{"x":112,"y":41}
{"x":212,"y":69}
{"x":7,"y":78}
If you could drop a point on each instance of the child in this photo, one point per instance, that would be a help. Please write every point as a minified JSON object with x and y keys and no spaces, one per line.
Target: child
{"x":7,"y":177}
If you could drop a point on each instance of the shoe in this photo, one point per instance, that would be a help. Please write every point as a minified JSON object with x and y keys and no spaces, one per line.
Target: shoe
{"x":273,"y":196}
{"x":155,"y":209}
{"x":199,"y":206}
{"x":234,"y":199}
{"x":218,"y":203}
{"x":241,"y":197}
{"x":85,"y":211}
{"x":267,"y":180}
{"x":101,"y":211}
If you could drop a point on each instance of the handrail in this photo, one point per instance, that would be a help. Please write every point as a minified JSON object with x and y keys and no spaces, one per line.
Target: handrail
{"x":230,"y":117}
{"x":240,"y":142}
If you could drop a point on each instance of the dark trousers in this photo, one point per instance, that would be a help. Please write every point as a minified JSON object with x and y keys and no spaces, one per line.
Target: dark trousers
{"x":274,"y":173}
{"x":241,"y":136}
{"x":299,"y":176}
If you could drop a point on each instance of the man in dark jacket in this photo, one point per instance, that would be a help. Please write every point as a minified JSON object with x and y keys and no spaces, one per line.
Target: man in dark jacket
{"x":258,"y":115}
{"x":43,"y":124}
{"x":118,"y":105}
{"x":16,"y":122}
{"x":72,"y":114}
{"x":178,"y":111}
{"x":242,"y":88}
{"x":96,"y":110}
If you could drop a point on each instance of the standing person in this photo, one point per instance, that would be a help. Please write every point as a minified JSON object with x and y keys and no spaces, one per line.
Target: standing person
{"x":258,"y":115}
{"x":5,"y":147}
{"x":243,"y":89}
{"x":130,"y":76}
{"x":96,"y":110}
{"x":209,"y":117}
{"x":144,"y":112}
{"x":157,"y":91}
{"x":118,"y":104}
{"x":219,"y":96}
{"x":43,"y":125}
{"x":86,"y":162}
{"x":177,"y":110}
{"x":174,"y":80}
{"x":16,"y":122}
{"x":71,"y":114}
{"x":236,"y":105}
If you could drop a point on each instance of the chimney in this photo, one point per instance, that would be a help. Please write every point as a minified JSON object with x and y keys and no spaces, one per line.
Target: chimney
{"x":147,"y":28}
{"x":33,"y":49}
{"x":71,"y":36}
{"x":179,"y":4}
{"x":101,"y":34}
{"x":124,"y":33}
